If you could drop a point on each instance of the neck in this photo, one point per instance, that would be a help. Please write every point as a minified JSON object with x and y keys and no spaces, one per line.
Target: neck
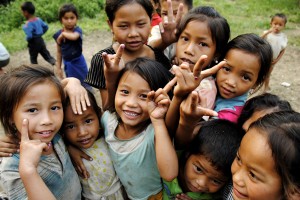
{"x":127,"y":132}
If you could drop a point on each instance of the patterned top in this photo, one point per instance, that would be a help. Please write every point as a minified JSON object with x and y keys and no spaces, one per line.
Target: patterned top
{"x":34,"y":28}
{"x":56,"y":171}
{"x":103,"y":182}
{"x":96,"y":77}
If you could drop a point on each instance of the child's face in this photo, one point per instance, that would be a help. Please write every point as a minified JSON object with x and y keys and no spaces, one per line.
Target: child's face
{"x":42,"y":106}
{"x":25,"y":14}
{"x":239,"y":75}
{"x":195,"y":41}
{"x":131,"y":26}
{"x":253,"y":170}
{"x":81,"y":130}
{"x":69,"y":20}
{"x":201,"y":176}
{"x":131,"y":99}
{"x":255,"y":116}
{"x":278,"y":24}
{"x":175,"y":6}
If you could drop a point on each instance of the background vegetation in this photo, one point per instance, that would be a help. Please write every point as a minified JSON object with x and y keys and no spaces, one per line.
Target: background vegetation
{"x":244,"y":16}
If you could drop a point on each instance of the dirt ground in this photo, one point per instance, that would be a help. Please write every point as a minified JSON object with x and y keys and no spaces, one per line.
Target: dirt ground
{"x":287,"y":69}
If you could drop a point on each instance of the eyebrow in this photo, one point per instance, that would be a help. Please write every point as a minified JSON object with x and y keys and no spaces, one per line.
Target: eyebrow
{"x":228,"y":64}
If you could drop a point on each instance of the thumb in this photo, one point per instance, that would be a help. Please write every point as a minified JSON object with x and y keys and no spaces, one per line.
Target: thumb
{"x":24,"y":130}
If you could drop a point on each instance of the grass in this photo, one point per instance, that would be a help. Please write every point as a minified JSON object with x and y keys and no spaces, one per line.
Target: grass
{"x":244,"y":16}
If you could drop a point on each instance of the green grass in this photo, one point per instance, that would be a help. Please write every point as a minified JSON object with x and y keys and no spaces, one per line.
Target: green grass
{"x":244,"y":16}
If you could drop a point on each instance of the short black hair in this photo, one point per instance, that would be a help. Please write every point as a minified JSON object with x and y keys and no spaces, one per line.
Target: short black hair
{"x":69,"y":7}
{"x":262,"y":102}
{"x":29,"y":7}
{"x":218,"y":141}
{"x":112,"y":6}
{"x":281,"y":15}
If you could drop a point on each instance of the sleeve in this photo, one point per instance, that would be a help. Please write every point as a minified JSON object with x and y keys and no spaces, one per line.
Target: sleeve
{"x":155,"y":33}
{"x":11,"y":181}
{"x":28,"y":29}
{"x":171,"y":189}
{"x":56,"y":35}
{"x":44,"y":26}
{"x":160,"y":57}
{"x":78,"y":30}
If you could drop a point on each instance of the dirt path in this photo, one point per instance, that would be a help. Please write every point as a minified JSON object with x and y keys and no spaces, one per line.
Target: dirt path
{"x":287,"y":69}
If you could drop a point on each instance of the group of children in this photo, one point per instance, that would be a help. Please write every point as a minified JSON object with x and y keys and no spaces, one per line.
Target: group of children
{"x":181,"y":132}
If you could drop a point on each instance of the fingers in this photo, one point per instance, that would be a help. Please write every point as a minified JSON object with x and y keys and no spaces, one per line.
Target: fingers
{"x":150,"y":96}
{"x":198,"y":66}
{"x":85,"y":156}
{"x":24,"y":130}
{"x":161,"y":27}
{"x":207,"y":112}
{"x":179,"y":13}
{"x":213,"y":70}
{"x":81,"y":168}
{"x":119,"y":54}
{"x":170,"y":11}
{"x":194,"y":100}
{"x":169,"y":86}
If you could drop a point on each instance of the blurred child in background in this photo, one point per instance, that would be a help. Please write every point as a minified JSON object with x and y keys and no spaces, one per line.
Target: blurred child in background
{"x":34,"y":29}
{"x":156,"y":19}
{"x":4,"y":57}
{"x":277,"y":39}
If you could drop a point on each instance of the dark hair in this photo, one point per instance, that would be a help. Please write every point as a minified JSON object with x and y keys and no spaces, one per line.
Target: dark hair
{"x":253,"y":44}
{"x":153,"y":72}
{"x":282,"y":130}
{"x":261,"y":102}
{"x":112,"y":6}
{"x":281,"y":15}
{"x":14,"y":85}
{"x":218,"y":26}
{"x":188,"y":3}
{"x":218,"y":140}
{"x":29,"y":7}
{"x":67,"y":8}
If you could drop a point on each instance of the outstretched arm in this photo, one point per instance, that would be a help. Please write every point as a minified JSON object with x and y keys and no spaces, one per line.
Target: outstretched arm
{"x":167,"y":161}
{"x":30,"y":153}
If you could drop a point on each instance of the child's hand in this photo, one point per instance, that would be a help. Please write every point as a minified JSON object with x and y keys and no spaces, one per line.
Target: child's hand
{"x":183,"y":197}
{"x":8,"y":146}
{"x":169,"y":23}
{"x":113,"y":64}
{"x":76,"y":156}
{"x":159,"y":101}
{"x":194,"y":108}
{"x":78,"y":95}
{"x":30,"y":150}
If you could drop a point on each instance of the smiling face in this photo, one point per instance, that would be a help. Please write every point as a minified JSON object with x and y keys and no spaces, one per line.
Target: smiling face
{"x":131,"y":99}
{"x":131,"y":26}
{"x":278,"y":24}
{"x":42,"y":106}
{"x":239,"y":75}
{"x":81,"y":130}
{"x":253,"y":170}
{"x":69,"y":20}
{"x":201,"y":176}
{"x":195,"y":41}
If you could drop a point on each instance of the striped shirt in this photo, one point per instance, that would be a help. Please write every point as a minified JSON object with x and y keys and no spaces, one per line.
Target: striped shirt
{"x":95,"y":75}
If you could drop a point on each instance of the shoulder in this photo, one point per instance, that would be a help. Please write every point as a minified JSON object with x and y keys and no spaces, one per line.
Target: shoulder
{"x":108,"y":50}
{"x":78,"y":29}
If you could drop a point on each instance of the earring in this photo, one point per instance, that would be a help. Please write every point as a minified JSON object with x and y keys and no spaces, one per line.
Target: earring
{"x":216,"y":61}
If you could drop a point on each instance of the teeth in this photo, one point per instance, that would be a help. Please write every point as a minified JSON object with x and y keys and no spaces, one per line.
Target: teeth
{"x":131,"y":113}
{"x":45,"y":132}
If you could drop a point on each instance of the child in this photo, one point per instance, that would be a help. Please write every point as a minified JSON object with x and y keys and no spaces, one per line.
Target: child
{"x":35,"y":94}
{"x":259,"y":106}
{"x":156,"y":19}
{"x":83,"y":131}
{"x":274,"y":171}
{"x":69,"y":45}
{"x":129,"y":22}
{"x":204,"y":167}
{"x":248,"y":60}
{"x":277,"y":40}
{"x":34,"y":29}
{"x":155,"y":39}
{"x":4,"y":57}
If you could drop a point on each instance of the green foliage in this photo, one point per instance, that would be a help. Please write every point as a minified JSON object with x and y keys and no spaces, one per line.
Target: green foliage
{"x":11,"y":16}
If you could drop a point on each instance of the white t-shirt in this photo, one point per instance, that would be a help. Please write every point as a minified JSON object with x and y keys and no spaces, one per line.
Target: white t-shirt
{"x":278,"y":42}
{"x":4,"y":55}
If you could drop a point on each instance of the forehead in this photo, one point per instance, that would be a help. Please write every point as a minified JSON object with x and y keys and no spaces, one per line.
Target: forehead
{"x":278,"y":19}
{"x":70,"y":116}
{"x":69,"y":14}
{"x":134,"y":80}
{"x":133,"y":11}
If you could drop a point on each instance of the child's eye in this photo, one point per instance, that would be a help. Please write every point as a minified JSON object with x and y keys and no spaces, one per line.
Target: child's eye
{"x":141,"y":24}
{"x":246,"y":78}
{"x":216,"y":182}
{"x":32,"y":110}
{"x":143,"y":96}
{"x":226,"y":69}
{"x":184,"y":38}
{"x":253,"y":176}
{"x":198,"y":169}
{"x":124,"y":91}
{"x":88,"y":121}
{"x":70,"y":126}
{"x":55,"y":108}
{"x":123,"y":26}
{"x":203,"y":44}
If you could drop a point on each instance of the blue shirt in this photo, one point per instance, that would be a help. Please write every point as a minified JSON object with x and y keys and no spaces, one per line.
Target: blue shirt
{"x":70,"y":49}
{"x":35,"y":28}
{"x":57,"y":172}
{"x":134,"y":159}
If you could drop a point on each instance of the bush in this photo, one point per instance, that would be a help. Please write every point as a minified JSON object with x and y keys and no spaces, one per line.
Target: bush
{"x":11,"y":16}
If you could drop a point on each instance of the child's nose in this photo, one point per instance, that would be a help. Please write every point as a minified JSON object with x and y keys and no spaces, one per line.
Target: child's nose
{"x":189,"y":49}
{"x":133,"y":32}
{"x":202,"y":182}
{"x":82,"y":131}
{"x":46,"y":119}
{"x":237,"y":178}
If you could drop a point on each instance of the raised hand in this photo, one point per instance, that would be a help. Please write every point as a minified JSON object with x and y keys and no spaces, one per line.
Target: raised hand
{"x":30,"y":150}
{"x":159,"y":101}
{"x":169,"y":24}
{"x":113,"y":64}
{"x":8,"y":146}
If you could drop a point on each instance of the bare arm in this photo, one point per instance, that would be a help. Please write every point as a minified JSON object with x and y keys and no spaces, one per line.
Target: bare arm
{"x":71,"y":35}
{"x":59,"y":70}
{"x":278,"y":57}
